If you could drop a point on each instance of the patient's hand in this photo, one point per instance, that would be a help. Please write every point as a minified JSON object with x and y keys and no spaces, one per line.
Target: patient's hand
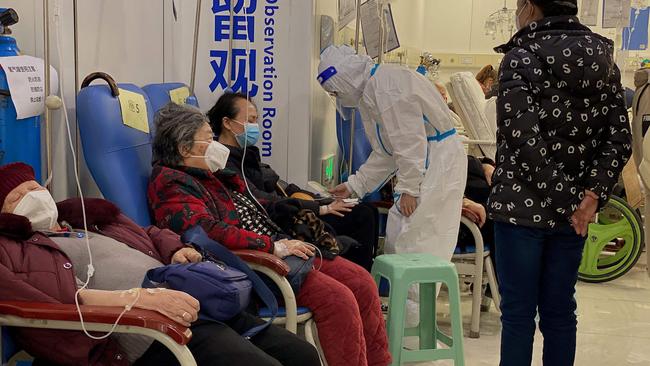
{"x":337,"y":208}
{"x":284,"y":248}
{"x":474,"y":211}
{"x":177,"y":306}
{"x":488,"y":169}
{"x":341,"y":191}
{"x":187,"y":255}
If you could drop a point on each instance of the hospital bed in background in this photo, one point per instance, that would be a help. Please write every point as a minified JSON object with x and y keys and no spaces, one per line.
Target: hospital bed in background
{"x":124,"y":151}
{"x":616,"y":240}
{"x":478,"y":115}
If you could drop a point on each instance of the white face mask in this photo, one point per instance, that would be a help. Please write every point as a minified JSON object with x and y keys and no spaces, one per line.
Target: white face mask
{"x":517,"y":14}
{"x":216,"y":155}
{"x":39,"y":207}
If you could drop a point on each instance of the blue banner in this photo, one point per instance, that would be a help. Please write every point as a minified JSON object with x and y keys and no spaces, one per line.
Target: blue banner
{"x":635,"y":37}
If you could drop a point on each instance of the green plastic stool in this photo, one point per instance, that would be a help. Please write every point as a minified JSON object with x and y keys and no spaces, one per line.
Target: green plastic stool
{"x":403,"y":270}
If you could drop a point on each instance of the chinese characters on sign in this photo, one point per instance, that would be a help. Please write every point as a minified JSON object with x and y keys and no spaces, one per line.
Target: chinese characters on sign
{"x":238,"y":69}
{"x":242,"y":61}
{"x":26,"y":84}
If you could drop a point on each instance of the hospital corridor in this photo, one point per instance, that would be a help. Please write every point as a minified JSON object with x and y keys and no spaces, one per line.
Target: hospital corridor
{"x":324,"y":182}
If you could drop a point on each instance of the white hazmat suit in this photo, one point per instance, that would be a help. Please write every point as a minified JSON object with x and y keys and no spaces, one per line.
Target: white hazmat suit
{"x":412,"y":135}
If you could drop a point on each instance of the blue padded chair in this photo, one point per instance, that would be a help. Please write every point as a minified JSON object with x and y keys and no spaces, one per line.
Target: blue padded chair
{"x":362,"y":148}
{"x":118,"y":156}
{"x":159,"y":94}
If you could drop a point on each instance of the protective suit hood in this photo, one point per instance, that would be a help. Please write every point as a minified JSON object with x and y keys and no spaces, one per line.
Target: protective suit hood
{"x":343,"y":72}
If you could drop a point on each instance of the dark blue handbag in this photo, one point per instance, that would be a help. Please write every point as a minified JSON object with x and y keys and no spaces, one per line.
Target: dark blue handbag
{"x":222,"y":291}
{"x":228,"y":292}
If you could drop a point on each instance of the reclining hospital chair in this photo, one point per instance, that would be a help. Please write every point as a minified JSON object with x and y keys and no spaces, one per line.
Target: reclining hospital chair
{"x":120,"y":151}
{"x":96,"y":319}
{"x":477,"y":114}
{"x":163,"y":93}
{"x":128,"y":184}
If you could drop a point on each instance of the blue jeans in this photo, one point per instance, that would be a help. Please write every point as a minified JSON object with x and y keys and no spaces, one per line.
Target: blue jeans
{"x":538,"y":270}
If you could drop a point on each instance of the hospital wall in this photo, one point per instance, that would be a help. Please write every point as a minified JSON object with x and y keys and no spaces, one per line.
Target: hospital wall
{"x":456,"y":29}
{"x":141,"y":42}
{"x":121,"y":37}
{"x":451,"y":30}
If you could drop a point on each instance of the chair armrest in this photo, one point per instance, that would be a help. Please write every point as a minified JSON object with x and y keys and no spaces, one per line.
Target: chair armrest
{"x":476,"y":233}
{"x":264,"y":259}
{"x":97,"y":314}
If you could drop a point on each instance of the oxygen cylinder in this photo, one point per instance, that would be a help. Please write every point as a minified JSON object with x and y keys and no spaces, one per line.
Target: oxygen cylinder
{"x":20,"y":139}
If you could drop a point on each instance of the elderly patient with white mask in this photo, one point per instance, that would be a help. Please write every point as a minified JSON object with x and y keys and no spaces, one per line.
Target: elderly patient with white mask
{"x":45,"y":259}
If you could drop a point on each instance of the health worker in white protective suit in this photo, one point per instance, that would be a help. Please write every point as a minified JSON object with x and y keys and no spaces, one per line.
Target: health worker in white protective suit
{"x":412,"y":136}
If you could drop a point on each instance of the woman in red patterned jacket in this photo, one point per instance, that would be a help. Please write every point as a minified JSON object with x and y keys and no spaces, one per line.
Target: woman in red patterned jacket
{"x":188,"y":187}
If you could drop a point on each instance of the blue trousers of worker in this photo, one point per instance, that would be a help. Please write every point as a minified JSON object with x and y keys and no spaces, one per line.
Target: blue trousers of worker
{"x":538,"y":270}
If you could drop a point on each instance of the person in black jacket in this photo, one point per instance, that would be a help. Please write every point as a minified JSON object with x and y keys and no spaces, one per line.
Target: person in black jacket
{"x":234,"y":119}
{"x":563,"y":138}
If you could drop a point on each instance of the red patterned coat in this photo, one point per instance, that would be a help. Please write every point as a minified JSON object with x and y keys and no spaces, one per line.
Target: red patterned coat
{"x":183,"y":197}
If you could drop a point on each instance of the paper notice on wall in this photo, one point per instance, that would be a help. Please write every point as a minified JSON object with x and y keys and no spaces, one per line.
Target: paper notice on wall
{"x":26,"y":79}
{"x":371,"y":25}
{"x":616,"y":13}
{"x":589,"y":12}
{"x":347,"y":12}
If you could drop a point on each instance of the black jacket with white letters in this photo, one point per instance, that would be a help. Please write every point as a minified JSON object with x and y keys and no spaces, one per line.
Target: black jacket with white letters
{"x":562,"y":123}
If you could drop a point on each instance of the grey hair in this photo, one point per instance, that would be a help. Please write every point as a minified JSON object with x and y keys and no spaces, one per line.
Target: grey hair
{"x":176,"y":126}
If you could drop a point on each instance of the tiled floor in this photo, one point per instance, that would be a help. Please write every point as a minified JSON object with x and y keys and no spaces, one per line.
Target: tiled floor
{"x":613,"y":329}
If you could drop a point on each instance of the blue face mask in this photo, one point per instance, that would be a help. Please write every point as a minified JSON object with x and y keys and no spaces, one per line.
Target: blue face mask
{"x":250,"y":136}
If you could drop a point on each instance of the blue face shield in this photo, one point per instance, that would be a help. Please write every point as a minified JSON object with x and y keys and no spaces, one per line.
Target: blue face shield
{"x":343,"y":107}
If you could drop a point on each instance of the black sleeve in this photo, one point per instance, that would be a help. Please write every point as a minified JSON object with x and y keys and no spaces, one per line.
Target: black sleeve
{"x":615,"y":146}
{"x":269,"y":177}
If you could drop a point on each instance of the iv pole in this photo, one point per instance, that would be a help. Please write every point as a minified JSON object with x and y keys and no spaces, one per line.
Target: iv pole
{"x":196,"y":45}
{"x":46,"y":92}
{"x":354,"y":115}
{"x":197,"y":25}
{"x":75,"y":9}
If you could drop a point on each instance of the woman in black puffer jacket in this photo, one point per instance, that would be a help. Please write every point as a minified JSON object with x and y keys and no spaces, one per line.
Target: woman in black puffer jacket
{"x":563,"y":140}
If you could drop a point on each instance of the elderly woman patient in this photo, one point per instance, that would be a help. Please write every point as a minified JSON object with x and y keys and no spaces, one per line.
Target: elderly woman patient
{"x":190,"y":187}
{"x":45,"y":258}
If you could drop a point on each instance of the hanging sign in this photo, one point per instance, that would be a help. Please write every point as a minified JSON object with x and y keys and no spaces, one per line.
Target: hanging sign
{"x":25,"y":76}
